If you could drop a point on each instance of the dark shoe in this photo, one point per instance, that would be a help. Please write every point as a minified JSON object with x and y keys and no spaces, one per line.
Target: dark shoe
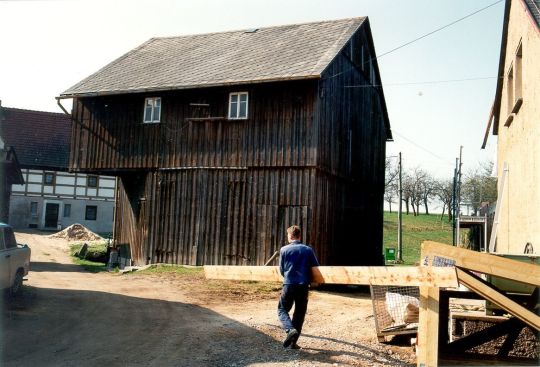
{"x":292,"y":336}
{"x":295,"y":346}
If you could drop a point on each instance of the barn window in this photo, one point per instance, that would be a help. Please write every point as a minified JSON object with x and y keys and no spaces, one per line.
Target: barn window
{"x":238,"y":105}
{"x":152,"y":110}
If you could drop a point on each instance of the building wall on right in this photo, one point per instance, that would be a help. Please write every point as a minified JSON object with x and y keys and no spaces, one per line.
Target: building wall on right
{"x":519,"y":134}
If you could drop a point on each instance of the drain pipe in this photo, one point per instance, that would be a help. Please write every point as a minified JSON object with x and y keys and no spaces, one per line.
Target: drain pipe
{"x":62,"y":107}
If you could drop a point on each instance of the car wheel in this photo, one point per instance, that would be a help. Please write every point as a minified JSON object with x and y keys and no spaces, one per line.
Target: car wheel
{"x":17,"y":283}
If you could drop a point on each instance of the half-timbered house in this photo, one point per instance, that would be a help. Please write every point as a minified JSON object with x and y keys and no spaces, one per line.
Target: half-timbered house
{"x":223,"y":140}
{"x":47,"y":196}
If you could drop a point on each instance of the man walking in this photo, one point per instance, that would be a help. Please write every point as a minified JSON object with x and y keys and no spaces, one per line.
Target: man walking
{"x":295,"y":263}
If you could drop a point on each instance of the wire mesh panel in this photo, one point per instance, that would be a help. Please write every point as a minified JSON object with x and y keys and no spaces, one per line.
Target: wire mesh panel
{"x":396,"y":309}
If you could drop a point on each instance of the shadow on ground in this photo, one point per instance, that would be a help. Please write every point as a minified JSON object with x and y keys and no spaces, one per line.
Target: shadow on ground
{"x":54,"y":327}
{"x":37,"y":266}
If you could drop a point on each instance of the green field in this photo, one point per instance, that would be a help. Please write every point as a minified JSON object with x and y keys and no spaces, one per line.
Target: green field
{"x":415,"y":230}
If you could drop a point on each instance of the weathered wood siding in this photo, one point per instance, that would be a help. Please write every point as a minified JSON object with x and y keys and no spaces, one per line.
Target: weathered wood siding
{"x":351,"y":148}
{"x":215,"y":216}
{"x":108,"y":133}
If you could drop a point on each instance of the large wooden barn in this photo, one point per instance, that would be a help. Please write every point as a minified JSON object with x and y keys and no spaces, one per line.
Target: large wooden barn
{"x":221,"y":141}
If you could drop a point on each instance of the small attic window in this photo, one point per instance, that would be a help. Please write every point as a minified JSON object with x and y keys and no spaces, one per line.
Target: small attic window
{"x":152,"y":110}
{"x":251,"y":30}
{"x":238,"y":106}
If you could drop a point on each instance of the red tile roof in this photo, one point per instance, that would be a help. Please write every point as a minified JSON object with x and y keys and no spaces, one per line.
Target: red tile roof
{"x":41,"y":139}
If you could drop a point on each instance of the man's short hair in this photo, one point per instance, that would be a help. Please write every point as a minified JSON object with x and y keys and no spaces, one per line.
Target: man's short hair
{"x":294,"y":231}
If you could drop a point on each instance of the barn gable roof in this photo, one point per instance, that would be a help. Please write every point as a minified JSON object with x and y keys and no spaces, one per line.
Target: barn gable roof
{"x":288,"y":52}
{"x":41,"y":139}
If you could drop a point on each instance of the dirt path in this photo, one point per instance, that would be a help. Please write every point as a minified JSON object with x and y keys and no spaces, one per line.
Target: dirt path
{"x":68,"y":317}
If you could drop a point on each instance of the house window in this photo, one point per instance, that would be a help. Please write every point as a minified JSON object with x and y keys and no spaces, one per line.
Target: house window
{"x":152,"y":110}
{"x":34,"y":209}
{"x":92,"y":181}
{"x":67,"y":210}
{"x":518,"y":97}
{"x":510,"y":89}
{"x":91,"y":212}
{"x":238,"y":106}
{"x":48,"y":178}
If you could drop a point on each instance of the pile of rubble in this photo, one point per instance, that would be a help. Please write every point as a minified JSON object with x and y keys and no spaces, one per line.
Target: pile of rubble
{"x":77,"y":232}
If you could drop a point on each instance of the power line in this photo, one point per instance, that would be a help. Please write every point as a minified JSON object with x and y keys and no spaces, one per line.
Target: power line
{"x":439,"y":29}
{"x":421,"y":37}
{"x":420,"y":83}
{"x":421,"y":147}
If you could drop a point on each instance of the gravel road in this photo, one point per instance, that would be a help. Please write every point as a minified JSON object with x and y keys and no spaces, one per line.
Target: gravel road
{"x":69,"y":317}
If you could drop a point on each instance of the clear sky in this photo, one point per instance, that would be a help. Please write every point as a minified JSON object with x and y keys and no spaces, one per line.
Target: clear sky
{"x":47,"y":46}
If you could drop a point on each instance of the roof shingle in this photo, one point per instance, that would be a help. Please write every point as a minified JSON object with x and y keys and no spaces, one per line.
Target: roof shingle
{"x":41,"y":139}
{"x":269,"y":54}
{"x":534,"y":8}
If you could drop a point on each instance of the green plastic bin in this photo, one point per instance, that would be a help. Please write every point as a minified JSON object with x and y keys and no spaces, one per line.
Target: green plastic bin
{"x":390,"y":254}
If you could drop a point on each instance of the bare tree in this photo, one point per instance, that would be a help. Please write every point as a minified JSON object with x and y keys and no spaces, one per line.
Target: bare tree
{"x":390,"y":182}
{"x":390,"y":195}
{"x":427,"y":189}
{"x":408,"y":190}
{"x":415,"y":187}
{"x":391,"y":172}
{"x":479,"y":187}
{"x":444,"y":190}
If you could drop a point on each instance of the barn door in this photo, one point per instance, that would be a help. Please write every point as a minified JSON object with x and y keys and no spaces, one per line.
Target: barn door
{"x":267,"y":216}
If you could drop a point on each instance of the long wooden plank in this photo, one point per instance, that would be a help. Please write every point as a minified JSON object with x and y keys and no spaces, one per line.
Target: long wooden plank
{"x":428,"y":327}
{"x":354,"y":275}
{"x":490,"y":293}
{"x":485,"y":263}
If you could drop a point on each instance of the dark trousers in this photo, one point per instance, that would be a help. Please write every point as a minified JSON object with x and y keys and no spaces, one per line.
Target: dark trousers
{"x":296,"y":294}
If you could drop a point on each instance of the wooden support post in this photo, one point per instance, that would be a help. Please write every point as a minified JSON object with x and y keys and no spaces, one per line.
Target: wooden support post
{"x":485,"y":263}
{"x":492,"y":294}
{"x":428,"y":328}
{"x":444,"y":319}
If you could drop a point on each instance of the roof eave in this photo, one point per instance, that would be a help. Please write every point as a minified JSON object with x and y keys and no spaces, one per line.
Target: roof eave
{"x":500,"y":73}
{"x":67,"y":95}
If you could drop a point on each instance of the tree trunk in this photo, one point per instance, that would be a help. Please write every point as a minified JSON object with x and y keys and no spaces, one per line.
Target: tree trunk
{"x":406,"y":206}
{"x":390,"y":206}
{"x":443,"y":209}
{"x":426,"y":205}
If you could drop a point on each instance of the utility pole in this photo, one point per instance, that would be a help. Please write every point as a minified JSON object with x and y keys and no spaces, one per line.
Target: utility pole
{"x":454,"y":195}
{"x":400,"y":218}
{"x":456,"y":198}
{"x":458,"y":193}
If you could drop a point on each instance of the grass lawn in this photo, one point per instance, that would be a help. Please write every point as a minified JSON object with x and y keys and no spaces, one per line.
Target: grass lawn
{"x":96,"y":250}
{"x":415,"y":231}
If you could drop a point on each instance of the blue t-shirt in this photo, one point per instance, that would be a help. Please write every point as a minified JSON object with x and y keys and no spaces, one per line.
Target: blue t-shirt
{"x":295,"y":263}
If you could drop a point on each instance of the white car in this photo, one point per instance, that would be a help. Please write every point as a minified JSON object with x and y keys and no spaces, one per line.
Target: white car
{"x":14,"y":260}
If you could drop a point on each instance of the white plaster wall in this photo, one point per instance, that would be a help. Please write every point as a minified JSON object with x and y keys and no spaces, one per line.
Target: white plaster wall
{"x":519,"y":143}
{"x":65,"y":180}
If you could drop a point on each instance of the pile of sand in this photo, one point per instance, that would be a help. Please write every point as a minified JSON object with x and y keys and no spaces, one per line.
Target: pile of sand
{"x":77,"y":232}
